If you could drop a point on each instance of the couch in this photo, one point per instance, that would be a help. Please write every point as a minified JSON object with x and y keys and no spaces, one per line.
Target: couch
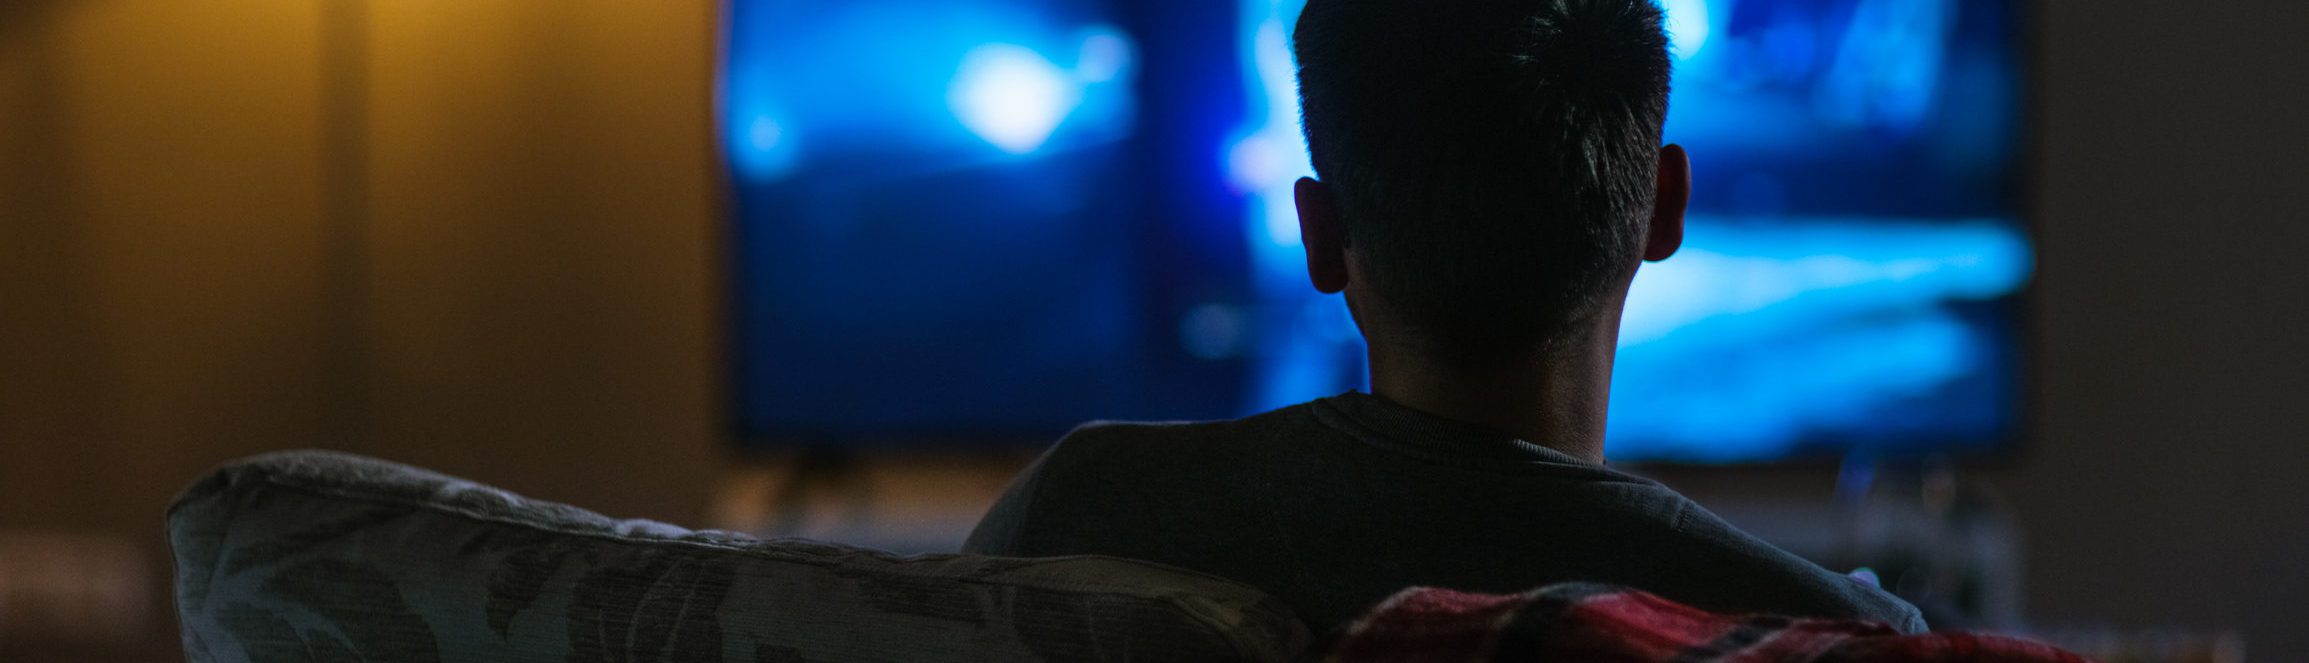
{"x":323,"y":556}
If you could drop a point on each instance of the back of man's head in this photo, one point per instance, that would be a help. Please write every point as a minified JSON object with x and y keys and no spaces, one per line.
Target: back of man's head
{"x":1493,"y":161}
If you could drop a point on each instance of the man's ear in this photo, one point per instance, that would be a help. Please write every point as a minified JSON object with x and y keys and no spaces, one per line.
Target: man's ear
{"x":1323,"y":233}
{"x":1673,"y":192}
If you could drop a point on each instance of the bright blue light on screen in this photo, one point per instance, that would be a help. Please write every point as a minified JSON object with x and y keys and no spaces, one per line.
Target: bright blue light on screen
{"x":1309,"y":346}
{"x":926,"y":77}
{"x":1107,"y":56}
{"x":762,"y":149}
{"x":1272,"y":155}
{"x":1752,"y":338}
{"x":1792,"y":276}
{"x":1015,"y":98}
{"x":1011,"y":96}
{"x":1889,"y":64}
{"x":944,"y":233}
{"x":1688,"y":26}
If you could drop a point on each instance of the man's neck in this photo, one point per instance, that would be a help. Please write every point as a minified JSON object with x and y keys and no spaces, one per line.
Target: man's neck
{"x":1555,"y":397}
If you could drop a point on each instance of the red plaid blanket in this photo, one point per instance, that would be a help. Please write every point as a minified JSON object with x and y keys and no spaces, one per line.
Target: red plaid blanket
{"x":1585,"y":622}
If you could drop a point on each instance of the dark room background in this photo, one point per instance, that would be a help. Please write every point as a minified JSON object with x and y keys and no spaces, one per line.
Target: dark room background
{"x":485,"y":238}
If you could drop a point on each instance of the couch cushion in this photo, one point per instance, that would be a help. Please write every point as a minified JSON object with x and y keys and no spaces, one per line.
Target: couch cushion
{"x":314,"y":555}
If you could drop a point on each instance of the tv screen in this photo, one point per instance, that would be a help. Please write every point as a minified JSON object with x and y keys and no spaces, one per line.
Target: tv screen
{"x":982,"y":222}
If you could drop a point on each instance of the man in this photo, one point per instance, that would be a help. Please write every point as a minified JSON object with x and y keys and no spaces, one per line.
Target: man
{"x":1492,"y":177}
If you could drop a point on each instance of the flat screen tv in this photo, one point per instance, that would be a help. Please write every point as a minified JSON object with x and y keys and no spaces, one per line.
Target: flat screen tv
{"x":978,"y":223}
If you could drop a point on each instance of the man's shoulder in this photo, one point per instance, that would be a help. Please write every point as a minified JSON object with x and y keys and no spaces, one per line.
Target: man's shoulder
{"x":1803,"y":587}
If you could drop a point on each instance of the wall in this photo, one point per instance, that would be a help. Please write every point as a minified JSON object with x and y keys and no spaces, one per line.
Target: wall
{"x":543,"y":246}
{"x":157,"y":293}
{"x":2166,"y":481}
{"x":474,"y":236}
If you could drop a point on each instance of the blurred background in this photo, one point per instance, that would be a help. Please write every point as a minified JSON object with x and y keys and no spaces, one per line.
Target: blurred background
{"x":505,"y":240}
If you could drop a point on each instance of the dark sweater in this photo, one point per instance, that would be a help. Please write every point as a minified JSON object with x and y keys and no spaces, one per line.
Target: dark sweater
{"x":1336,"y":504}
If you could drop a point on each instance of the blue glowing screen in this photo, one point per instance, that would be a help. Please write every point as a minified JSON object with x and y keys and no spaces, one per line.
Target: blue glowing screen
{"x":981,"y":222}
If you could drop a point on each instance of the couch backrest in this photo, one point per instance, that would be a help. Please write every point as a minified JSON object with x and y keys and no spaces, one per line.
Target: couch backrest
{"x":315,"y":555}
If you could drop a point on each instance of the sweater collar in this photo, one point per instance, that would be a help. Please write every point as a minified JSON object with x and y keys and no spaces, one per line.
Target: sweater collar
{"x":1385,"y":423}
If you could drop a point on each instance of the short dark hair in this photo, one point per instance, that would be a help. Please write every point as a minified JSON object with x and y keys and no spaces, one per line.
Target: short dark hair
{"x":1493,"y":160}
